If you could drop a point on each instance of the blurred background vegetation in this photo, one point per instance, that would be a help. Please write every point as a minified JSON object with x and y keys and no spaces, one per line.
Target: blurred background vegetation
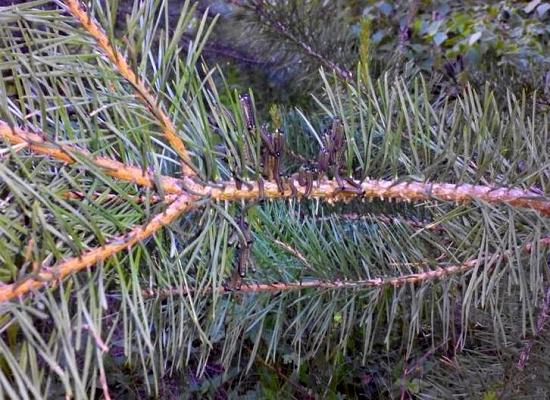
{"x":454,"y":41}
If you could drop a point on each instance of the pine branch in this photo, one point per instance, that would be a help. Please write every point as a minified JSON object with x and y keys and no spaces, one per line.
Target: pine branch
{"x":66,"y":153}
{"x":330,"y":190}
{"x":170,"y":198}
{"x":468,"y":151}
{"x":168,"y":127}
{"x":104,"y":384}
{"x":284,"y":30}
{"x":47,"y":276}
{"x":435,"y":274}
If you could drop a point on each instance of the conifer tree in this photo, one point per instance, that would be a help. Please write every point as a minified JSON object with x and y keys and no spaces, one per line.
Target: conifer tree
{"x":163,"y":233}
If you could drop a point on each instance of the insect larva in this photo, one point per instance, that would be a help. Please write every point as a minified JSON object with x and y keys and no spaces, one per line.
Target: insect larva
{"x":261,"y":188}
{"x":323,"y":160}
{"x":248,"y":112}
{"x":293,"y":190}
{"x":278,"y":142}
{"x":309,"y":184}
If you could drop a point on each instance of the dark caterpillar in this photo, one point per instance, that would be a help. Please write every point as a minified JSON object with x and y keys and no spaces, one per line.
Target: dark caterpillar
{"x":247,"y":110}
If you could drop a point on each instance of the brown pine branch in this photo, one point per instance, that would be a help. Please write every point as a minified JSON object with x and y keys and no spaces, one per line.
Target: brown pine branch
{"x":169,"y":198}
{"x":116,"y":169}
{"x":329,"y":190}
{"x":76,"y":8}
{"x":47,"y":276}
{"x":326,"y":189}
{"x":438,"y":273}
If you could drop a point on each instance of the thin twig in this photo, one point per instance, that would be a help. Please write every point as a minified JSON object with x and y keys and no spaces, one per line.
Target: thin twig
{"x":97,"y":338}
{"x":76,"y":8}
{"x":103,"y":382}
{"x":408,"y":370}
{"x":285,"y":31}
{"x":47,"y":276}
{"x":67,"y":153}
{"x":438,"y":273}
{"x":294,"y":252}
{"x":282,"y":376}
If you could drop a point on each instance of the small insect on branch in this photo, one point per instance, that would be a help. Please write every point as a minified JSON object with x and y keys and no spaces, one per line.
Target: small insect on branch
{"x":243,"y":241}
{"x":273,"y":146}
{"x":248,"y":112}
{"x":330,"y":156}
{"x":304,"y":177}
{"x":244,"y":247}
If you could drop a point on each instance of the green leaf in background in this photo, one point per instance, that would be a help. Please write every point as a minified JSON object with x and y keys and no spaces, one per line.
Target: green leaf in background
{"x":474,"y":38}
{"x":439,"y":38}
{"x":531,"y":6}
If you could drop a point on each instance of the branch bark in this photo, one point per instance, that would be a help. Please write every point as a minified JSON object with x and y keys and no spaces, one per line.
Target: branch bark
{"x":47,"y":276}
{"x":76,"y":8}
{"x":69,"y":154}
{"x":331,"y":191}
{"x":434,"y":274}
{"x":326,"y":189}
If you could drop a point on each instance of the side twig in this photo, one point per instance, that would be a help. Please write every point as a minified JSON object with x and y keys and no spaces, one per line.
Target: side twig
{"x":284,"y":30}
{"x":541,"y":322}
{"x":168,"y":127}
{"x":437,"y":273}
{"x":66,"y":153}
{"x":47,"y":276}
